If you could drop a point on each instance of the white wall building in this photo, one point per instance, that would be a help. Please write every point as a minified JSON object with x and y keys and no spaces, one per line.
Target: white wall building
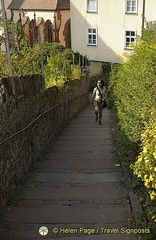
{"x":104,"y":29}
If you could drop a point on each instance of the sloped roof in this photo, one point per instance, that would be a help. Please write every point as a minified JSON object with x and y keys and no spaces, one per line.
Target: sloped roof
{"x":40,"y":4}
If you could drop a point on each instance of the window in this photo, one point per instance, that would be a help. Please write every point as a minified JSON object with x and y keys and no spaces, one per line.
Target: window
{"x":130,"y":38}
{"x":91,"y":5}
{"x":92,"y":36}
{"x":131,"y":6}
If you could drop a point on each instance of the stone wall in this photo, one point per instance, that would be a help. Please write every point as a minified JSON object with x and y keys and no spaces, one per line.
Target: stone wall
{"x":29,"y":119}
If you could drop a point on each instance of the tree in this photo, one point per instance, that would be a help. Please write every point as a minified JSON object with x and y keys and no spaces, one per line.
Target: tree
{"x":25,"y":59}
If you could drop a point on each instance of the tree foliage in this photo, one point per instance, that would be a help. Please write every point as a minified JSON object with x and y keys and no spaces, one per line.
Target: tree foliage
{"x":60,"y":64}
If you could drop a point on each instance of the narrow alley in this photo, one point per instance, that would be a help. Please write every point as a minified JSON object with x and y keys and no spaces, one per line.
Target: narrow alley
{"x":78,"y":185}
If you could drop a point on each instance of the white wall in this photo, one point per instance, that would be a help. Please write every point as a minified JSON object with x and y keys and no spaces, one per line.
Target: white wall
{"x":111,"y":21}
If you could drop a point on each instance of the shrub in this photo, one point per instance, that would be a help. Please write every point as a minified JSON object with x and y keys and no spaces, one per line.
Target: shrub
{"x":133,"y":85}
{"x":57,"y":61}
{"x":132,"y":90}
{"x":58,"y":70}
{"x":4,"y":70}
{"x":145,"y":166}
{"x":60,"y":64}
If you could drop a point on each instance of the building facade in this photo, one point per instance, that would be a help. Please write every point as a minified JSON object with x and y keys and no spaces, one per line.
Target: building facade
{"x":104,"y":29}
{"x":52,"y":17}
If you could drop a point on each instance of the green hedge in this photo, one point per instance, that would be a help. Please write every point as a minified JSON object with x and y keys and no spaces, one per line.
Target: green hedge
{"x":145,"y":166}
{"x":132,"y":90}
{"x":57,"y":61}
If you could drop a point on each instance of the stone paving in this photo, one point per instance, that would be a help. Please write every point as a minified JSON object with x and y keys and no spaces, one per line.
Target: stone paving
{"x":77,"y":189}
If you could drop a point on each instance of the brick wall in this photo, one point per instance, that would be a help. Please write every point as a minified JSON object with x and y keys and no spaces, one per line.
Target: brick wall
{"x":32,"y":117}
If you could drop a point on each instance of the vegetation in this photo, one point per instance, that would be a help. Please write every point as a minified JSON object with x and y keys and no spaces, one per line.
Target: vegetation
{"x":132,"y":91}
{"x":60,"y":64}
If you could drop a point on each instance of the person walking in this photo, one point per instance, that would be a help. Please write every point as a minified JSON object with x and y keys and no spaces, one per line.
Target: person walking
{"x":99,"y":94}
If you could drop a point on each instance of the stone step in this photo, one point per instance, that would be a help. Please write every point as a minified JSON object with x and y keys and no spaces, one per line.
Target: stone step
{"x":66,"y":215}
{"x":83,"y":155}
{"x":76,"y":178}
{"x":94,"y":165}
{"x":93,"y":193}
